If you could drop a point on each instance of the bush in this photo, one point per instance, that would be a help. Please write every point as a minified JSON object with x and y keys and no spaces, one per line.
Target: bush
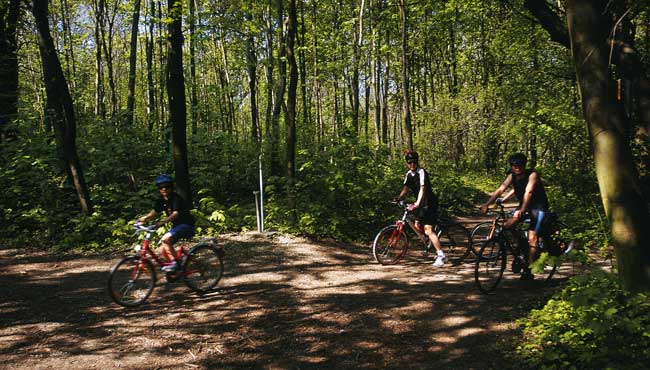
{"x":592,"y":324}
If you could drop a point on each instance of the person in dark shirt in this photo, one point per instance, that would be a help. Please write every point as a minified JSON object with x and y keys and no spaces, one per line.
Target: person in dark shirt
{"x":529,"y":190}
{"x":177,"y":212}
{"x":425,"y":207}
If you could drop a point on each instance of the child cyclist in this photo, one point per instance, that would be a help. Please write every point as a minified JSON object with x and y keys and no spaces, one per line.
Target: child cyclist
{"x":177,"y":212}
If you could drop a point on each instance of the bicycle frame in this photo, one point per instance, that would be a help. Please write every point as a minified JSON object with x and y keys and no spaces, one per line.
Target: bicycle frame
{"x":146,"y":249}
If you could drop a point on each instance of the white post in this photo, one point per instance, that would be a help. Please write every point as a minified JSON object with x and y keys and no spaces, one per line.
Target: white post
{"x":261,"y":196}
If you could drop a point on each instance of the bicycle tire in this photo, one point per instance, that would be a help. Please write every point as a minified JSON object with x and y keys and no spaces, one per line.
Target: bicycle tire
{"x":390,"y":245}
{"x":203,"y":268}
{"x":480,"y":234}
{"x":456,"y":242}
{"x":489,"y":267}
{"x":131,"y":281}
{"x":565,"y":242}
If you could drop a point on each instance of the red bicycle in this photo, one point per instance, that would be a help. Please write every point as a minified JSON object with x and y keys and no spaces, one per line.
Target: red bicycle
{"x":392,"y":242}
{"x":133,"y":278}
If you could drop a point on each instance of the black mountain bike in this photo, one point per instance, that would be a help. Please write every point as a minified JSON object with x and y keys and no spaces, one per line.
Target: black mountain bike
{"x":508,"y":248}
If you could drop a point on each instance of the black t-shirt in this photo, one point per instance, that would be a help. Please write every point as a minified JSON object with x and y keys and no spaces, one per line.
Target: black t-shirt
{"x":414,"y":180}
{"x":175,"y":203}
{"x":539,"y":198}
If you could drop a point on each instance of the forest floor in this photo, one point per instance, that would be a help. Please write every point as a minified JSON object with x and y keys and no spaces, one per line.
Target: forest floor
{"x":284,"y":303}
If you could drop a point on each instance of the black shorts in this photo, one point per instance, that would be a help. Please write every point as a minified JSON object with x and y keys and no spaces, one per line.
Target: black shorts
{"x":426,"y":215}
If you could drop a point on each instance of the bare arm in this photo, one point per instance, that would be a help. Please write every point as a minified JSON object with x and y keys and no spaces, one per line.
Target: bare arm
{"x":171,"y":217}
{"x":151,"y":215}
{"x":497,"y":193}
{"x":420,"y":197}
{"x":508,"y":195}
{"x":403,"y":193}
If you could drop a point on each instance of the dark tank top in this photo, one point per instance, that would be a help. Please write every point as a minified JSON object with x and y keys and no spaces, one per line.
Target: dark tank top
{"x":539,"y":199}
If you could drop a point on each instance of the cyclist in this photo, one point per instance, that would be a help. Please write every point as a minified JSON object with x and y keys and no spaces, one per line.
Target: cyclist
{"x":529,"y":190}
{"x":177,"y":212}
{"x":426,"y":206}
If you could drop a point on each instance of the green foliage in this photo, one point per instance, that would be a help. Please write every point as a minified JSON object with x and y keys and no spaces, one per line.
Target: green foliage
{"x":592,"y":324}
{"x":345,"y":192}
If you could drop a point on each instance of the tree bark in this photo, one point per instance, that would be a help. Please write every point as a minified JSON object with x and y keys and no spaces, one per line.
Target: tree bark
{"x":130,"y":101}
{"x":618,"y":180}
{"x":624,"y":54}
{"x":61,"y":111}
{"x":9,"y":11}
{"x":276,"y":167}
{"x":251,"y":67}
{"x":177,"y":101}
{"x":151,"y":92}
{"x":291,"y":103}
{"x":193,"y":93}
{"x":100,"y":108}
{"x":406,"y":100}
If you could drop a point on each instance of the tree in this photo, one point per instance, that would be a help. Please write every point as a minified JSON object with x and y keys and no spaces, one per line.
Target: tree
{"x":59,"y":107}
{"x":406,"y":99}
{"x":618,"y":179}
{"x":8,"y":64}
{"x":130,"y":102}
{"x":291,"y":95}
{"x":177,"y":101}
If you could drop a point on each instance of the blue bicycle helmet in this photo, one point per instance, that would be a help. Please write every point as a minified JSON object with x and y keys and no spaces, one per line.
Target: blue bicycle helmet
{"x":163,"y":179}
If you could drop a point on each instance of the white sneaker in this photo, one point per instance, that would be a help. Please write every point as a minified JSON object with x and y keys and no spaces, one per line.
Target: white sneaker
{"x":171,"y":267}
{"x":440,"y":261}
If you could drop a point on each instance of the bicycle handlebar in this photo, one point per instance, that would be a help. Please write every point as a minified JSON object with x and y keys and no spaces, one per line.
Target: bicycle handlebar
{"x":139,"y":227}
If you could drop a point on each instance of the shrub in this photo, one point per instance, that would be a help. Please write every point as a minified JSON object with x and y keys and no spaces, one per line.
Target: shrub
{"x":591,"y":324}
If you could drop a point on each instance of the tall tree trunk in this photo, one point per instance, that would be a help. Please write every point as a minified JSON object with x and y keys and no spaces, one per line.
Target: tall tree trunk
{"x":317,"y":83}
{"x":176,"y":94}
{"x":68,"y":45}
{"x":251,"y":67}
{"x":130,"y":101}
{"x":306,"y":111}
{"x":152,"y":112}
{"x":406,"y":100}
{"x":453,"y":91}
{"x":618,"y":180}
{"x":100,"y":108}
{"x":9,"y":11}
{"x":291,"y":102}
{"x":60,"y":102}
{"x":193,"y":93}
{"x":276,"y":167}
{"x":269,"y":69}
{"x":356,"y":40}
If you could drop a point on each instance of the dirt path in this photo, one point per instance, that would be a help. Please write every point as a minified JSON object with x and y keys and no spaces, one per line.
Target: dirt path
{"x":284,"y":303}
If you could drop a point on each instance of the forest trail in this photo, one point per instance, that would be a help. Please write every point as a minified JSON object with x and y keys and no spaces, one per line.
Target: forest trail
{"x":284,"y":303}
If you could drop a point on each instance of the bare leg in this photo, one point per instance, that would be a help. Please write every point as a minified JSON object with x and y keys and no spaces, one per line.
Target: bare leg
{"x":532,"y":244}
{"x":166,"y":247}
{"x":428,"y":230}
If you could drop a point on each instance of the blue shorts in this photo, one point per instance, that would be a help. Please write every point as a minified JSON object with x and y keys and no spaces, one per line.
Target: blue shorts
{"x":536,"y":219}
{"x":182,"y":231}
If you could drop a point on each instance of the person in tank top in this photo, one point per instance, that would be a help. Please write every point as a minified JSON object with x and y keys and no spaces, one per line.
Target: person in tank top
{"x":528,"y":188}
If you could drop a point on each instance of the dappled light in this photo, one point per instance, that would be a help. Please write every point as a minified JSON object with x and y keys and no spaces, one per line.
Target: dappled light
{"x":283,"y":303}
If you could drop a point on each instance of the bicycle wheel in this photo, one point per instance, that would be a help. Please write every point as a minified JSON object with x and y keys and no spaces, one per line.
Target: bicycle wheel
{"x":455,"y":241}
{"x":480,"y":234}
{"x":203,"y":268}
{"x":390,"y":245}
{"x":556,"y":245}
{"x":131,"y":281}
{"x":490,"y":264}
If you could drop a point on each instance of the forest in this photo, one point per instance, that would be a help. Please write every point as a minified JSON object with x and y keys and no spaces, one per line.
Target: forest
{"x":321,"y":99}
